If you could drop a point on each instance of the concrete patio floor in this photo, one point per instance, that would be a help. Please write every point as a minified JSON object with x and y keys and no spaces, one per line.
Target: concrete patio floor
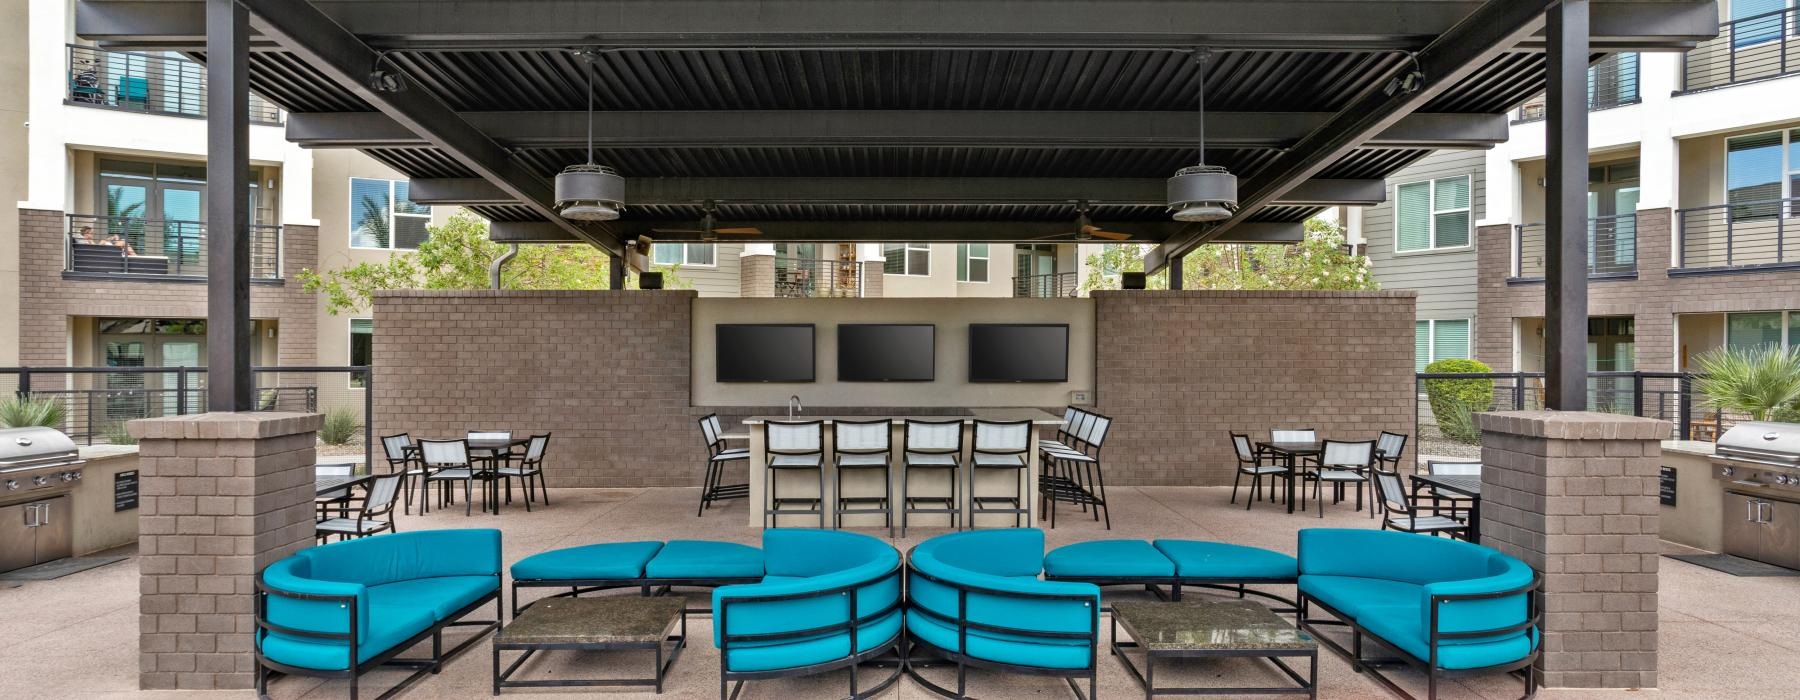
{"x":76,"y":637}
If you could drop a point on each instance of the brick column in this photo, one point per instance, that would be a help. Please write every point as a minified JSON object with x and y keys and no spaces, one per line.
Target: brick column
{"x":1573,"y":494}
{"x":874,"y":277}
{"x":222,"y":495}
{"x":756,"y":276}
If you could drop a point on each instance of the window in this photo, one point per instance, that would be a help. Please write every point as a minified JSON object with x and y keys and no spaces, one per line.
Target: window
{"x":1755,"y":22}
{"x":1439,"y":340}
{"x":1759,"y":170}
{"x":382,"y":217}
{"x":1432,"y":214}
{"x":907,"y":259}
{"x":362,"y":347}
{"x":972,"y":262}
{"x":691,"y":254}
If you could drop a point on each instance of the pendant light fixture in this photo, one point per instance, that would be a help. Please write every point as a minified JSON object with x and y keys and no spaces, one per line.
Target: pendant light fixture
{"x":1202,"y":192}
{"x":590,"y":192}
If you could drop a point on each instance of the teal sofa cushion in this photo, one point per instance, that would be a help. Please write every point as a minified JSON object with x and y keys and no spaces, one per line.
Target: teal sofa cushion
{"x":443,"y":595}
{"x":1395,"y":626}
{"x":1350,"y":595}
{"x":391,"y":624}
{"x":942,"y":563}
{"x":705,"y":559}
{"x":404,"y":556}
{"x":772,"y":656}
{"x":1013,"y":649}
{"x":1108,"y":559}
{"x":1199,"y":559}
{"x":1007,"y":552}
{"x":1395,"y":556}
{"x":607,"y":561}
{"x":801,"y":561}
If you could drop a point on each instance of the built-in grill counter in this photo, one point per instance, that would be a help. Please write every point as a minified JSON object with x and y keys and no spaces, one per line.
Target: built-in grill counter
{"x":1740,"y":496}
{"x":39,"y":468}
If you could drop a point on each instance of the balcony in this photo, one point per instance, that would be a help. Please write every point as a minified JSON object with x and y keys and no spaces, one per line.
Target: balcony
{"x":1611,"y":243}
{"x":1055,"y":284}
{"x":1746,"y":50}
{"x":120,"y":245}
{"x":1613,"y":82}
{"x":803,"y":278}
{"x":1740,"y":235}
{"x":147,"y":83}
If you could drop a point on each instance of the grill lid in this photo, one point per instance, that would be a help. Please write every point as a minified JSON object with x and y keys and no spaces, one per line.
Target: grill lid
{"x":1771,"y":443}
{"x":27,"y":448}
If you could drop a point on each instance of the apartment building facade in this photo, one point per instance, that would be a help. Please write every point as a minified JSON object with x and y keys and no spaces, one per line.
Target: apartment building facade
{"x":751,"y":269}
{"x":1693,"y":207}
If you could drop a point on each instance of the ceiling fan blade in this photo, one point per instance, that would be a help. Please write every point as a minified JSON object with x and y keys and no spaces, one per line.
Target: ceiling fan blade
{"x":677,"y":230}
{"x":740,"y":231}
{"x":1108,"y":235}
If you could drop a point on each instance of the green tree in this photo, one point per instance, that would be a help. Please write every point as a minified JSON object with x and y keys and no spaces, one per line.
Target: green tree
{"x":1318,"y":261}
{"x":457,"y":255}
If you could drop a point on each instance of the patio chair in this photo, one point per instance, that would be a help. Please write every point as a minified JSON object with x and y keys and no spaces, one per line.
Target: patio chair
{"x":793,"y":446}
{"x":1072,"y":417}
{"x":1003,"y":446}
{"x":863,"y":447}
{"x":1399,"y":512}
{"x":1343,"y":464}
{"x":1456,"y":503}
{"x":375,"y":516}
{"x":1075,"y":475}
{"x":339,"y":499}
{"x":1295,"y":435}
{"x":528,"y":468}
{"x":448,"y":462}
{"x":930,"y":446}
{"x":1389,"y":448}
{"x":712,"y":486}
{"x":1254,"y":464}
{"x":403,"y":458}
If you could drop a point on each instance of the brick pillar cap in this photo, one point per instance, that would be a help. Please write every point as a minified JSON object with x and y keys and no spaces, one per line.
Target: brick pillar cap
{"x":225,"y":426}
{"x":1572,"y":425}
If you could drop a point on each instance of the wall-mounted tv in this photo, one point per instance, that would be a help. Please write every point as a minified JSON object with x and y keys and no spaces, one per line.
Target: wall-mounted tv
{"x":764,"y":352}
{"x":870,"y":352}
{"x":1018,"y":352}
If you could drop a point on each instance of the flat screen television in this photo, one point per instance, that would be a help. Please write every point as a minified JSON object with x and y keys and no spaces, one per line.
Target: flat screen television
{"x":1018,"y":352}
{"x":869,"y":352}
{"x":764,"y":352}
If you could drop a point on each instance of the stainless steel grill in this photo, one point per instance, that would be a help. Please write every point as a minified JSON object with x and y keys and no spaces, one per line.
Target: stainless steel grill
{"x":38,"y":469}
{"x":35,"y":448}
{"x":1763,"y":443}
{"x":1760,"y":463}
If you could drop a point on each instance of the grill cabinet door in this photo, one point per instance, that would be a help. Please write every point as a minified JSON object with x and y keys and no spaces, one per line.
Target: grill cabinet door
{"x":18,"y":541}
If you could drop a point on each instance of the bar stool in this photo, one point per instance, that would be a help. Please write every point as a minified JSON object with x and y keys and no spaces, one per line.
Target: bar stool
{"x":1004,"y":446}
{"x":863,"y":447}
{"x":718,"y":454}
{"x":796,"y":446}
{"x":1075,"y":475}
{"x":934,"y":446}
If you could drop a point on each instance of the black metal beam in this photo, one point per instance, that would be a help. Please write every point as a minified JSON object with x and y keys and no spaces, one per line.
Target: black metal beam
{"x":1367,"y":25}
{"x":947,"y":128}
{"x":1566,"y":231}
{"x":1264,"y":232}
{"x":1472,"y":43}
{"x":898,"y":231}
{"x":338,"y":54}
{"x":230,"y":386}
{"x":674,"y":191}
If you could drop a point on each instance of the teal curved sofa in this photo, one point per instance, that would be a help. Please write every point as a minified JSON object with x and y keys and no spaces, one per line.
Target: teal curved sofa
{"x":1449,"y":607}
{"x":828,"y":600}
{"x":646,"y":565}
{"x":1174,"y":563}
{"x":342,"y":609}
{"x":974,"y":599}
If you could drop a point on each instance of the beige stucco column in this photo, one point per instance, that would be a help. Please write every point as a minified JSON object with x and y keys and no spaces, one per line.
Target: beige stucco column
{"x":1573,"y":494}
{"x":222,"y":496}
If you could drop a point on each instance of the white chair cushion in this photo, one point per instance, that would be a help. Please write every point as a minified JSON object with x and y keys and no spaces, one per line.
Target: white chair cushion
{"x":794,"y":461}
{"x":862,"y":460}
{"x":916,"y":459}
{"x":1340,"y":475}
{"x":351,"y":525}
{"x":1428,"y":522}
{"x":733,"y":453}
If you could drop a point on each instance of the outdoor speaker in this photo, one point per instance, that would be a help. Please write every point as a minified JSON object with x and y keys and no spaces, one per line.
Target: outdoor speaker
{"x":650,"y":280}
{"x":1131,"y":280}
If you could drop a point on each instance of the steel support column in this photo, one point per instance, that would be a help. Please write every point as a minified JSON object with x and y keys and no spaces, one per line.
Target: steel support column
{"x":615,"y":272}
{"x":229,"y":385}
{"x":1565,"y":235}
{"x":1175,"y":271}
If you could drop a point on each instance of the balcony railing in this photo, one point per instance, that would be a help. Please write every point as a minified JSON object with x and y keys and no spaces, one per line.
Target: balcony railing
{"x":147,"y":83}
{"x":1740,"y":234}
{"x":1055,"y":284}
{"x":1752,"y":48}
{"x":1613,"y":82}
{"x":1667,"y":396}
{"x":129,"y":245}
{"x":814,"y":277}
{"x":1611,"y":243}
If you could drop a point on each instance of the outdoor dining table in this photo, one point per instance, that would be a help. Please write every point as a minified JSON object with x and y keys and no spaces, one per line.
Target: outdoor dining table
{"x":325,"y":484}
{"x":1460,"y":484}
{"x":1292,"y":453}
{"x":492,"y":450}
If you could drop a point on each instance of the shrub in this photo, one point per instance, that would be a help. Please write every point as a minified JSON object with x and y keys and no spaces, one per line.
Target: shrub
{"x":117,"y":434}
{"x":26,"y":412}
{"x":1454,"y":401}
{"x":340,"y":426}
{"x":1759,"y":381}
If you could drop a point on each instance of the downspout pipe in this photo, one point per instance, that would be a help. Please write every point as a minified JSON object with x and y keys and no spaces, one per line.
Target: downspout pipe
{"x":499,"y":264}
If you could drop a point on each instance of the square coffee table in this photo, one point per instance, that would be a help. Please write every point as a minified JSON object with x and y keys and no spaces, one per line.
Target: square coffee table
{"x":594,"y":624}
{"x":1204,"y":628}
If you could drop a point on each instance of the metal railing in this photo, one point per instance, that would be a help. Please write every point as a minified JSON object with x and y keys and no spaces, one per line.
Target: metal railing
{"x":1741,"y":234}
{"x":1666,"y":396}
{"x":1055,"y":284}
{"x":1611,"y":243}
{"x":817,"y":277}
{"x":1752,"y":48}
{"x":1611,"y":82}
{"x":129,"y":245}
{"x":98,"y":401}
{"x":149,"y":83}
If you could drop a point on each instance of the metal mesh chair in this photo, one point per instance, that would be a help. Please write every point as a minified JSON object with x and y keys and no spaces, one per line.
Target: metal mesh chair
{"x":528,"y":468}
{"x":1001,"y":445}
{"x":402,"y":458}
{"x":1294,"y":435}
{"x":338,"y":499}
{"x":1399,"y":513}
{"x":796,"y":446}
{"x":1343,"y":464}
{"x":1389,"y":447}
{"x":448,"y":462}
{"x":368,"y":520}
{"x":1456,"y":503}
{"x":1256,"y":465}
{"x":1074,"y":475}
{"x":930,"y":446}
{"x":718,"y":454}
{"x":863,"y":447}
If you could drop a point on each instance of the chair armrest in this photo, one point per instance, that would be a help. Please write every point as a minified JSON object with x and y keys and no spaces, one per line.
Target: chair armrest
{"x":310,"y":607}
{"x":1486,"y":599}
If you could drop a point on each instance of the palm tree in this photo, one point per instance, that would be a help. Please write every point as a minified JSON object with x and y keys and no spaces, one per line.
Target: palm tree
{"x":1756,"y":381}
{"x":373,"y":228}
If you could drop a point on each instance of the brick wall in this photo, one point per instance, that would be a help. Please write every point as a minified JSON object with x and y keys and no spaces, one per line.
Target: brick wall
{"x":874,"y":278}
{"x":756,"y":276}
{"x":1178,"y":370}
{"x":47,"y":300}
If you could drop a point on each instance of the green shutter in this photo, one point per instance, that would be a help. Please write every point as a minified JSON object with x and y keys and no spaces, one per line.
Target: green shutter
{"x":1452,"y":340}
{"x":1421,"y":345}
{"x":1412,"y":217}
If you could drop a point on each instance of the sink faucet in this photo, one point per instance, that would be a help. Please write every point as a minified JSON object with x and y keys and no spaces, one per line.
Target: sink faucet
{"x":794,"y":406}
